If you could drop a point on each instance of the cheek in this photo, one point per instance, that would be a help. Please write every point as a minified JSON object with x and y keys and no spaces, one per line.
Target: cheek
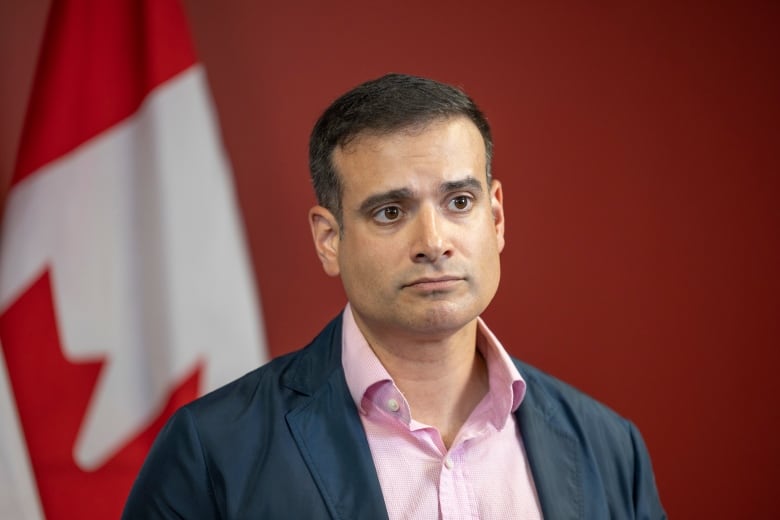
{"x":482,"y":239}
{"x":488,"y":250}
{"x":361,"y":267}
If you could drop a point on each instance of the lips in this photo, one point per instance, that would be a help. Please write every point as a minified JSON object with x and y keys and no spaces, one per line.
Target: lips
{"x":438,"y":283}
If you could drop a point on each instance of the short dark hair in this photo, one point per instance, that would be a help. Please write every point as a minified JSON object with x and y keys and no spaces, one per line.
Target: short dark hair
{"x":383,"y":105}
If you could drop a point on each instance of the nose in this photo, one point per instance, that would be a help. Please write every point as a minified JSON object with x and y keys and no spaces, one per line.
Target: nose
{"x":430,"y":242}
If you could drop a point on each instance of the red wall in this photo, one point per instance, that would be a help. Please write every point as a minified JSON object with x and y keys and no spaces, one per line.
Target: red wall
{"x":638,"y":144}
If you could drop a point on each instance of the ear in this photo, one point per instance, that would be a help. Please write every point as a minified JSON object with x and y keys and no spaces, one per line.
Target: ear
{"x":497,"y":208}
{"x":325,"y":232}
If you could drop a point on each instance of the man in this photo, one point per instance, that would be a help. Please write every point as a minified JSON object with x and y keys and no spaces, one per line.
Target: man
{"x":406,"y":405}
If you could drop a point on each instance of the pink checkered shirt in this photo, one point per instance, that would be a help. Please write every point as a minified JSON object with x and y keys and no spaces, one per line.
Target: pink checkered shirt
{"x":483,"y":475}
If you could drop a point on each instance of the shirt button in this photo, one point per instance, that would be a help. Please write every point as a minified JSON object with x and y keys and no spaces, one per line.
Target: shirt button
{"x":448,"y":462}
{"x":393,"y":405}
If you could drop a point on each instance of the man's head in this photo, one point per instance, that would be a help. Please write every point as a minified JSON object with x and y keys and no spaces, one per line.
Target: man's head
{"x":421,"y":226}
{"x":383,"y":106}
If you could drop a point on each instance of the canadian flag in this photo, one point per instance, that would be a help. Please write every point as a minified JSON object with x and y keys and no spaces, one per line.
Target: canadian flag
{"x":125,"y":288}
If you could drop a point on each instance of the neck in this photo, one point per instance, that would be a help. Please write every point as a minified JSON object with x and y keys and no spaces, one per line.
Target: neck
{"x":442,"y":379}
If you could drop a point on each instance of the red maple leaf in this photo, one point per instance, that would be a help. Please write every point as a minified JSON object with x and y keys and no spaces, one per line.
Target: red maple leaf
{"x":52,"y":396}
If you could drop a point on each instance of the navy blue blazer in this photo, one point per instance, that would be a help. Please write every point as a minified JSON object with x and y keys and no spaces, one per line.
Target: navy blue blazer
{"x":286,"y":441}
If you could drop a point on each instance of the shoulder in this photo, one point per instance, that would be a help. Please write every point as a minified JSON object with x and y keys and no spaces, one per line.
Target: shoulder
{"x":576,"y":414}
{"x":208,"y":451}
{"x":241,"y":391}
{"x":551,"y":395}
{"x":609,"y":451}
{"x":268,"y":392}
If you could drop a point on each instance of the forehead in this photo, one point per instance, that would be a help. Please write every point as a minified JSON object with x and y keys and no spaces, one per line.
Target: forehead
{"x":443,"y":148}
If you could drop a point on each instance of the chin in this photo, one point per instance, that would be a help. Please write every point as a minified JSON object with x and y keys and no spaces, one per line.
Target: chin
{"x":442,"y":319}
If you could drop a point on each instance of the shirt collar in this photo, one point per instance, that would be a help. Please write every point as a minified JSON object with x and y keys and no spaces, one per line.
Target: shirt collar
{"x":363,"y":369}
{"x":507,"y":386}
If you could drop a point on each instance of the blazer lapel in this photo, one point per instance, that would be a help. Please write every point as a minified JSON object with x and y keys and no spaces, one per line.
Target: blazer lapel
{"x":327,"y":429}
{"x":552,"y":455}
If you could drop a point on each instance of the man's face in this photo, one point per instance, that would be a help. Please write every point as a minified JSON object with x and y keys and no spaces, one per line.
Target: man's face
{"x":418,"y":251}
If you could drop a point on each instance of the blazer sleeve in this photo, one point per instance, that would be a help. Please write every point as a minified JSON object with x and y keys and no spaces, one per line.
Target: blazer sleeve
{"x":173,"y":482}
{"x":647,"y":503}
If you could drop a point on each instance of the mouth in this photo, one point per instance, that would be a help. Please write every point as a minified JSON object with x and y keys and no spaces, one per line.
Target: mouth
{"x":438,"y":283}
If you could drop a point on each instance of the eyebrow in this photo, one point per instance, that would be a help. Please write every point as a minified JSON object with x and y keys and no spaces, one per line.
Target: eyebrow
{"x":405,"y":193}
{"x":383,"y":198}
{"x":468,"y":182}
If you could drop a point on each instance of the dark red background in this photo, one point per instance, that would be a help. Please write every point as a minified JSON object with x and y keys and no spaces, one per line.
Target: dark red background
{"x":639,"y":147}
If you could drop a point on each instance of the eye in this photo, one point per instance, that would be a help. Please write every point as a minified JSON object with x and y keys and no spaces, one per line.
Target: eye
{"x":461,"y":203}
{"x":387,"y":214}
